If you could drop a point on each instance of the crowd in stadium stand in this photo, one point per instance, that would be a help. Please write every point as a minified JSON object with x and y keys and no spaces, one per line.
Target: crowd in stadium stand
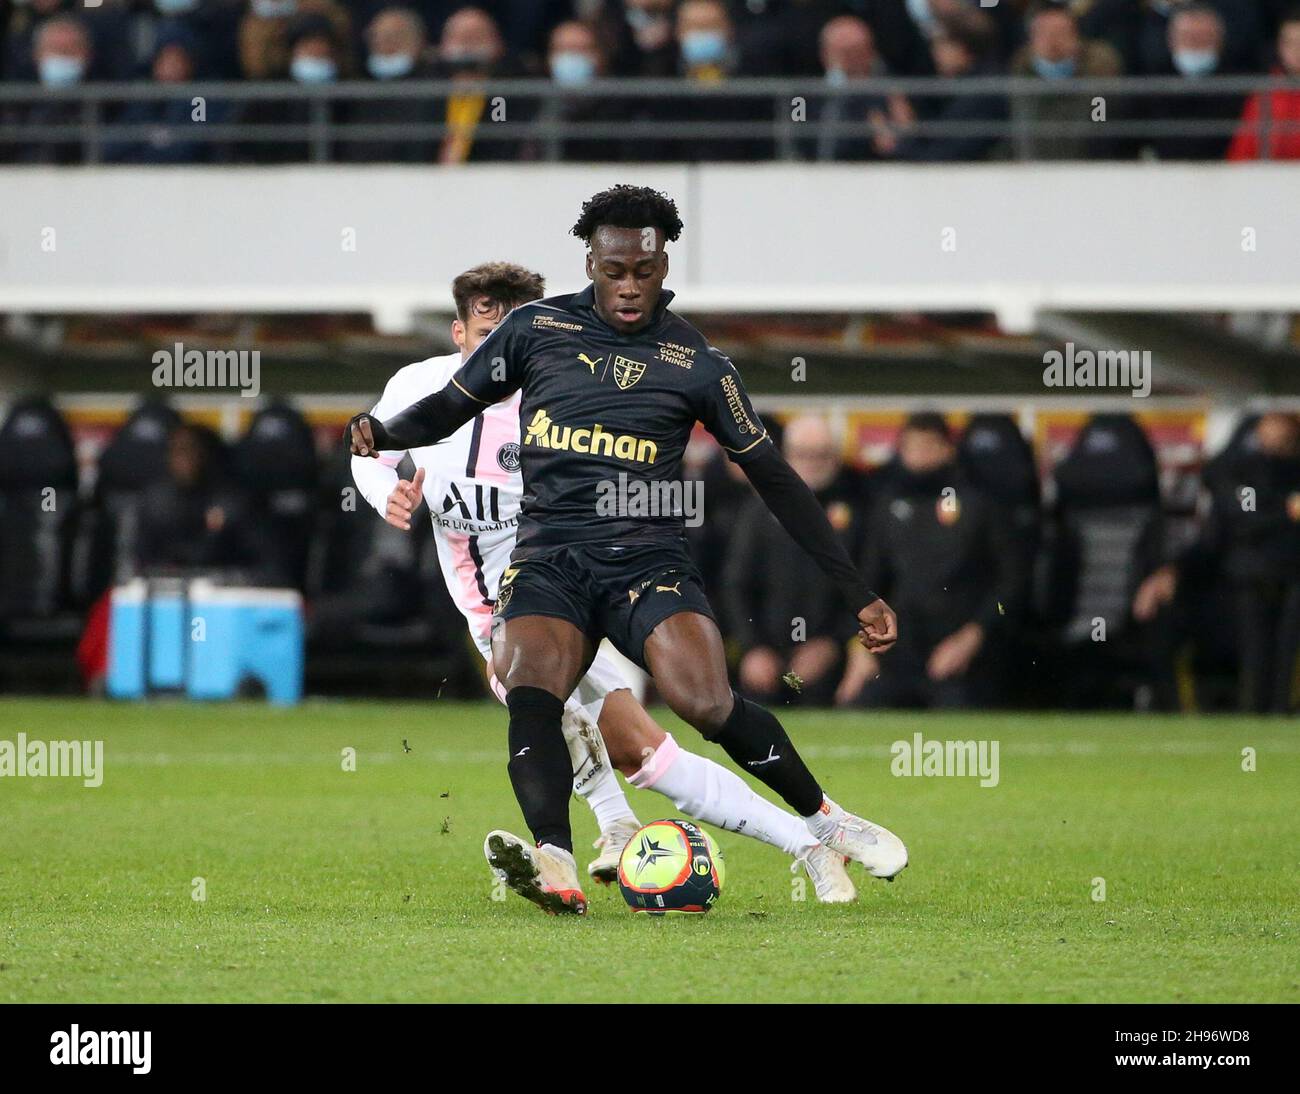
{"x":61,"y":43}
{"x":1004,"y":598}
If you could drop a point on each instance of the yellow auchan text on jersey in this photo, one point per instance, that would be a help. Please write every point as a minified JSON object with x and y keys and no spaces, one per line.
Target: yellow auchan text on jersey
{"x":544,"y":433}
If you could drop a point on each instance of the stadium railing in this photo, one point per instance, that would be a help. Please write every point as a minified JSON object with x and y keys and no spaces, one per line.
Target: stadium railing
{"x":534,"y":113}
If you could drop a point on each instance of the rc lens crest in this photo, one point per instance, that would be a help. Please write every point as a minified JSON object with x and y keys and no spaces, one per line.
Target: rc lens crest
{"x":627,"y":372}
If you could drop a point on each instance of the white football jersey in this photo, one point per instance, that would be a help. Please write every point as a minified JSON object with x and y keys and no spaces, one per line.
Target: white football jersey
{"x":473,"y":488}
{"x":471,"y":485}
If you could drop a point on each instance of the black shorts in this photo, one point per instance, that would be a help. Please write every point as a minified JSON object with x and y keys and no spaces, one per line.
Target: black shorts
{"x":619,"y":592}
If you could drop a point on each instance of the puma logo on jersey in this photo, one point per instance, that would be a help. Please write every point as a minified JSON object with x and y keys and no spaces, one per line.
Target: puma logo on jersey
{"x":589,"y":362}
{"x":669,"y":589}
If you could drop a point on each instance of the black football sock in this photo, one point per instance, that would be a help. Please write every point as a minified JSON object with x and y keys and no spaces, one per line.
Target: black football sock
{"x":754,"y":738}
{"x":540,"y":770}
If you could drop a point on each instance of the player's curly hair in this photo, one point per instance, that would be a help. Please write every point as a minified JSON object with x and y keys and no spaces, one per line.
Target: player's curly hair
{"x":493,"y":288}
{"x":625,"y":206}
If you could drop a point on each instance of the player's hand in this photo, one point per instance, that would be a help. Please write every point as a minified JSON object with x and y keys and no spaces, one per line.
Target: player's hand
{"x":362,"y":437}
{"x":404,"y":500}
{"x":952,"y":656}
{"x":877,"y":626}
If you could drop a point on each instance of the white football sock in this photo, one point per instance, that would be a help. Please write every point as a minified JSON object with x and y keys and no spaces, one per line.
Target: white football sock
{"x":709,"y":792}
{"x":594,"y":779}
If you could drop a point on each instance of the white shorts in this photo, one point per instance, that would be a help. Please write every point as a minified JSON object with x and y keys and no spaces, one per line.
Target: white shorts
{"x":471,"y":575}
{"x":603,"y":676}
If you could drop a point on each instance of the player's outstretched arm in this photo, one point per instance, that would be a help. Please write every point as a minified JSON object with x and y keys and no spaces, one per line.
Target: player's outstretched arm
{"x":491,"y":373}
{"x":430,"y":420}
{"x":794,"y":504}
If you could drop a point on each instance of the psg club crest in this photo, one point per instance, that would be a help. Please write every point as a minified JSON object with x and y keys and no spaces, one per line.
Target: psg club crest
{"x":508,"y":456}
{"x":627,"y":372}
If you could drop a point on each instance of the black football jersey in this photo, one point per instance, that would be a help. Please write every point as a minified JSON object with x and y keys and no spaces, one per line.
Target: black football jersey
{"x":603,"y":411}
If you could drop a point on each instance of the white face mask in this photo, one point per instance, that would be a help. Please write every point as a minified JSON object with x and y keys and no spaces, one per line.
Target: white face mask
{"x":59,"y":70}
{"x":1196,"y":62}
{"x":274,"y":9}
{"x":390,"y":66}
{"x":313,"y":70}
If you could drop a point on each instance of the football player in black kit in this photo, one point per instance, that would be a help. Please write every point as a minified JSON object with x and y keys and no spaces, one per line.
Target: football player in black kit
{"x":612,"y":384}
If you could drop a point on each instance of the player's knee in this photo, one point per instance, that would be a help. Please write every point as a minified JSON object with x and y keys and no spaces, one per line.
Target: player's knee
{"x":540,"y":668}
{"x":707,"y":712}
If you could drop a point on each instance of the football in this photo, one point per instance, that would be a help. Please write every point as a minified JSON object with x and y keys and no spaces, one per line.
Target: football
{"x":671,"y":866}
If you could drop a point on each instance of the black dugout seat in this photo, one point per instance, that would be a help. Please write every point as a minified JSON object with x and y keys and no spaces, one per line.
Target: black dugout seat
{"x":134,"y":458}
{"x":38,"y":510}
{"x":1107,"y":536}
{"x":275,"y":462}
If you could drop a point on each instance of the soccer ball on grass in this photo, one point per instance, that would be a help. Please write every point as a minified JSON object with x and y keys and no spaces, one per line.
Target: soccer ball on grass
{"x":671,"y":866}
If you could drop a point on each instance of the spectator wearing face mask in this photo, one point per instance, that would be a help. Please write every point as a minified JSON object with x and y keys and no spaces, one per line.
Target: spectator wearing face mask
{"x":61,"y":57}
{"x":1139,"y":30}
{"x":264,"y":36}
{"x":573,"y":59}
{"x":709,"y":57}
{"x":171,"y":122}
{"x":471,"y":51}
{"x":848,"y":52}
{"x":314,"y":59}
{"x":1056,"y":51}
{"x":1280,"y":140}
{"x":961,"y":46}
{"x":107,"y":26}
{"x":396,"y":46}
{"x":1196,"y":50}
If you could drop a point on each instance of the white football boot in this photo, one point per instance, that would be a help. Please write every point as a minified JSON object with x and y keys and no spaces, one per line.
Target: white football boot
{"x":546,"y":875}
{"x":878,"y":849}
{"x":604,"y":867}
{"x":825,"y":868}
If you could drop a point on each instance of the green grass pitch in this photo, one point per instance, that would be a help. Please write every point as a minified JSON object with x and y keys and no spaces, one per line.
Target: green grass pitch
{"x":323,"y":884}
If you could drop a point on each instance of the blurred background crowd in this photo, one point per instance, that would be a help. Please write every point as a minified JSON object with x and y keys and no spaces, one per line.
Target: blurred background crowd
{"x":1016,"y":587}
{"x":711,"y":46}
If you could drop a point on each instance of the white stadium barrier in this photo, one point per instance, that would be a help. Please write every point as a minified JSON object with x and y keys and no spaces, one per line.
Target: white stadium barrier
{"x":1011,"y":239}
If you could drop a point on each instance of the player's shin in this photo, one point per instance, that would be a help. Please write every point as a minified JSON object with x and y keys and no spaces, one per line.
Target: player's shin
{"x":759,"y":745}
{"x":594,"y":779}
{"x":539,"y":764}
{"x":709,"y":792}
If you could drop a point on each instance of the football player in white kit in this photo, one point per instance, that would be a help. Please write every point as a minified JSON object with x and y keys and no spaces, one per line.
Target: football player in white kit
{"x":472,"y":485}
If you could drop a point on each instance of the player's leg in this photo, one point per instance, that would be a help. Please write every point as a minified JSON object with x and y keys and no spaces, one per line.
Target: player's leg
{"x":594,"y":779}
{"x":537,"y":660}
{"x":652,"y":760}
{"x":597,"y":779}
{"x":684,"y":653}
{"x":539,"y":652}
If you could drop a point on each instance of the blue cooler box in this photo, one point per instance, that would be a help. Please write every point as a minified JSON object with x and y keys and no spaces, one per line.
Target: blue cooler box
{"x":205,"y":639}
